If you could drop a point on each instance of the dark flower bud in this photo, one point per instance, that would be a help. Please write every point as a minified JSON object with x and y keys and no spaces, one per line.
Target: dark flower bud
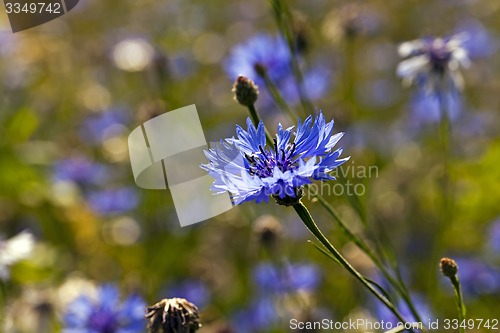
{"x":300,"y":33}
{"x":449,"y":267}
{"x":245,"y":91}
{"x":173,"y":315}
{"x":260,"y":69}
{"x":268,"y":231}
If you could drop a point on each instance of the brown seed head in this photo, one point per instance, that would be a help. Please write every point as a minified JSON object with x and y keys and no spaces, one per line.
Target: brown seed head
{"x":173,"y":315}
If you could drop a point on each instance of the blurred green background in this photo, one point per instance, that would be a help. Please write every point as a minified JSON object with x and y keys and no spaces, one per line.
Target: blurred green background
{"x":74,"y":88}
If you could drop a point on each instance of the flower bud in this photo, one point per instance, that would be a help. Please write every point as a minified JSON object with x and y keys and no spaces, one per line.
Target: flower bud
{"x":449,"y":267}
{"x":173,"y":315}
{"x":245,"y":91}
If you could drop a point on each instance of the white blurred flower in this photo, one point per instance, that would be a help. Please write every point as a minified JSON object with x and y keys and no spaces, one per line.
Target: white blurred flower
{"x":13,"y":250}
{"x":434,"y":62}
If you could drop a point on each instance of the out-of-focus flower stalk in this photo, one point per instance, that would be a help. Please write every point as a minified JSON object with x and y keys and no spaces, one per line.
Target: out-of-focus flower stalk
{"x":446,"y":182}
{"x":275,"y":93}
{"x":449,"y":268}
{"x":283,"y":18}
{"x":399,"y":285}
{"x":309,"y":222}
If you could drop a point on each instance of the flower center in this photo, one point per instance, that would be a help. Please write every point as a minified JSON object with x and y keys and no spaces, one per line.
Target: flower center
{"x":439,"y":54}
{"x":263,"y":163}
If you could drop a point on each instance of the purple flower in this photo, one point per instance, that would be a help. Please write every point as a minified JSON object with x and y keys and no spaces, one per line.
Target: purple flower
{"x":113,"y":201}
{"x":106,"y":314}
{"x":249,"y":170}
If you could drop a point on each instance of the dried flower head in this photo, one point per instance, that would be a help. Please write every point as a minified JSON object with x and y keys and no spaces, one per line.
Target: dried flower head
{"x":449,"y":267}
{"x":173,"y":315}
{"x":245,"y":91}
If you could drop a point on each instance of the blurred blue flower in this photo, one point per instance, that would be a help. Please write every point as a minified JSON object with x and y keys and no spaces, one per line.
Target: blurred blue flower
{"x":434,"y":63}
{"x":423,"y":309}
{"x":273,"y":54}
{"x":480,"y":43}
{"x":494,"y":236}
{"x":426,"y":108}
{"x":193,"y":290}
{"x":288,"y":278}
{"x":105,"y":314}
{"x":113,"y":201}
{"x":80,"y":170}
{"x":259,"y":316}
{"x":98,"y":127}
{"x":477,"y":277}
{"x":249,"y":170}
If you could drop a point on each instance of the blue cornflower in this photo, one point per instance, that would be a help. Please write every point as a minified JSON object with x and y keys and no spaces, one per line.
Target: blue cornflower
{"x":271,"y":54}
{"x":289,"y":278}
{"x":434,"y":62}
{"x":105,"y":314}
{"x":245,"y":167}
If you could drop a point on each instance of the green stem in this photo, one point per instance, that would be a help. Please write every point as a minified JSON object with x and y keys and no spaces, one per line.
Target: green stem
{"x":276,"y":95}
{"x":283,"y":18}
{"x":313,"y":228}
{"x":254,"y":115}
{"x":459,"y":301}
{"x":401,"y":288}
{"x":445,"y":131}
{"x":363,"y":247}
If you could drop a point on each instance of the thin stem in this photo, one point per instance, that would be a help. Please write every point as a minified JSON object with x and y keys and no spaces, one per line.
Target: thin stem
{"x":276,"y":95}
{"x":444,"y":132}
{"x":363,"y":247}
{"x":254,"y":115}
{"x":283,"y":18}
{"x":459,"y":301}
{"x":306,"y":217}
{"x":400,"y":287}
